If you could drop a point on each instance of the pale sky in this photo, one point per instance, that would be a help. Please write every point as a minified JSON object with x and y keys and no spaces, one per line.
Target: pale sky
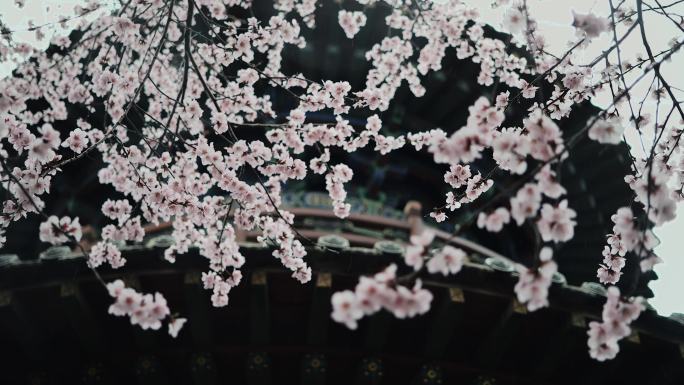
{"x":554,"y":18}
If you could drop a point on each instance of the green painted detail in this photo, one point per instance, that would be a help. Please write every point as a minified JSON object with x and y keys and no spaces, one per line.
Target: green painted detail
{"x":359,"y":205}
{"x":56,"y":252}
{"x":333,"y":241}
{"x":559,"y":278}
{"x":499,"y":264}
{"x":593,"y":288}
{"x":389,"y":247}
{"x":9,"y":259}
{"x":351,"y":227}
{"x":162,"y":241}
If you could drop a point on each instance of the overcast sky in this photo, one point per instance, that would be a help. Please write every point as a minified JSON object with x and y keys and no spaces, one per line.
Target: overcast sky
{"x":555,"y":19}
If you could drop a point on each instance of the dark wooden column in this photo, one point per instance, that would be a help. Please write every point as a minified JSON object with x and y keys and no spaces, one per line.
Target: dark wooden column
{"x":258,"y":361}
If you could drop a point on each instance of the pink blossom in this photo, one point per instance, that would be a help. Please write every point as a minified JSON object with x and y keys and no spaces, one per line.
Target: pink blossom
{"x":146,"y":310}
{"x":448,"y":260}
{"x":548,"y":185}
{"x":616,"y":317}
{"x":457,"y":175}
{"x":380,"y":292}
{"x":476,"y":187}
{"x":346,"y":308}
{"x":77,"y":141}
{"x":452,"y":202}
{"x":607,"y":131}
{"x":514,"y":20}
{"x":60,"y":230}
{"x":510,"y":150}
{"x":533,"y":285}
{"x":590,"y":25}
{"x":526,"y":203}
{"x":438,"y":215}
{"x":351,"y":22}
{"x":413,"y":256}
{"x":105,"y":252}
{"x":556,"y":223}
{"x":176,"y":325}
{"x":494,"y":221}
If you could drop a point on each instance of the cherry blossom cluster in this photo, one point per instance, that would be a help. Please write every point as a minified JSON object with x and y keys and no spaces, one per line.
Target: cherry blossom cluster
{"x":105,"y":252}
{"x":380,"y":292}
{"x":555,"y":222}
{"x":533,"y":284}
{"x":221,"y":286}
{"x":607,"y":131}
{"x":383,"y":291}
{"x":617,"y":315}
{"x":650,"y":184}
{"x":146,"y":310}
{"x":416,"y":252}
{"x":540,"y":139}
{"x":445,"y":260}
{"x":127,"y":228}
{"x":626,"y":237}
{"x":60,"y":230}
{"x":494,"y":221}
{"x":334,"y":183}
{"x":351,"y":22}
{"x":590,"y":25}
